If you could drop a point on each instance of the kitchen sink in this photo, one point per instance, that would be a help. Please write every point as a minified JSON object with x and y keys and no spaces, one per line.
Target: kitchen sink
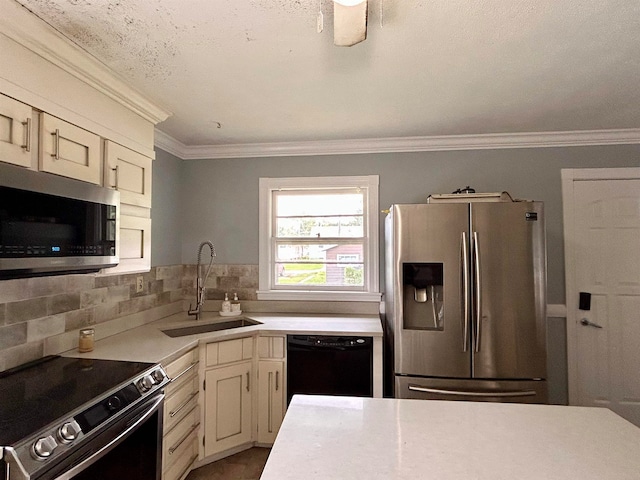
{"x":210,"y":327}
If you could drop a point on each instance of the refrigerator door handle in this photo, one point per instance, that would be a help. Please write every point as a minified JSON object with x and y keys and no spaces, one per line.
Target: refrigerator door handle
{"x":478,"y":289}
{"x":465,"y":292}
{"x":462,"y":393}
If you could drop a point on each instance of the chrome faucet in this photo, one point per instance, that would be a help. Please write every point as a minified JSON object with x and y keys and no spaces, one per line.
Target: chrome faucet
{"x":201,"y":281}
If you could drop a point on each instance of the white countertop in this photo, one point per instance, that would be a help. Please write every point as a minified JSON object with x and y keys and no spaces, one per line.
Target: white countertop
{"x":149,"y":344}
{"x":371,"y":438}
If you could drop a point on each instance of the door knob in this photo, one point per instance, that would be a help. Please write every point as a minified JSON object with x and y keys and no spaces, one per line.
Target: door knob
{"x":587,"y":323}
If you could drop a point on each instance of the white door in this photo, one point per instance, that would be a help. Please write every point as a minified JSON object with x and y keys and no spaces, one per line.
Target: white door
{"x":602,"y":249}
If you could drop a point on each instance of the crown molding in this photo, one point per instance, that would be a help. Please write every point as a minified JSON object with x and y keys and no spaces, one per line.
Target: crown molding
{"x":169,"y":144}
{"x":400,"y":144}
{"x":27,"y":29}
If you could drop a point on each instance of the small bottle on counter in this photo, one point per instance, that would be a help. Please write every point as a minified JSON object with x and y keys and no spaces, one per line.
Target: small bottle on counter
{"x":86,"y":340}
{"x":226,"y":304}
{"x":235,"y":305}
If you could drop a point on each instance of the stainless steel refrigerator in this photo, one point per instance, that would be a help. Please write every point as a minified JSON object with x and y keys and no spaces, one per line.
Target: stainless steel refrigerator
{"x":465,"y":300}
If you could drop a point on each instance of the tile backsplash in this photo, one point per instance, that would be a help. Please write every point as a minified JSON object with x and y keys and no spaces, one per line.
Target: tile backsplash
{"x":240,"y":279}
{"x":42,"y":315}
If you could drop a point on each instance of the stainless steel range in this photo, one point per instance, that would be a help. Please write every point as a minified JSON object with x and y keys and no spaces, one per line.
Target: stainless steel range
{"x":69,"y":418}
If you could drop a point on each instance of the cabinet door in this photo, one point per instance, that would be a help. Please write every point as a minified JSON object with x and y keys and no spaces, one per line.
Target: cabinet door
{"x":69,"y":151}
{"x":128,"y":172}
{"x":227,"y":407}
{"x":15,"y":132}
{"x":270,"y":399}
{"x":134,"y":245}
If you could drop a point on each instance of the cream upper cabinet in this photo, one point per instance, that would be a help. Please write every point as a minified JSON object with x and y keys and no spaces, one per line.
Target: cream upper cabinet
{"x":69,"y":151}
{"x":129,"y":172}
{"x":15,"y":132}
{"x":134,"y":245}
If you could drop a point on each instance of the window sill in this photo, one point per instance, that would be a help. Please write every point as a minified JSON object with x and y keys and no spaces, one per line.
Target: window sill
{"x":336,"y":296}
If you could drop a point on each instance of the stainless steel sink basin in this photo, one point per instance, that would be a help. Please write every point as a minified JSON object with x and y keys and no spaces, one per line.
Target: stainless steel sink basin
{"x":210,"y":327}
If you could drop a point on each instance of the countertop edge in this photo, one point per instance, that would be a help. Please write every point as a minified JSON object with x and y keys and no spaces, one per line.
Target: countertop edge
{"x":147,"y":343}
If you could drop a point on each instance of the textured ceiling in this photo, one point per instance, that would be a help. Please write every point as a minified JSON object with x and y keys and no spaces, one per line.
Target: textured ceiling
{"x":247,"y":71}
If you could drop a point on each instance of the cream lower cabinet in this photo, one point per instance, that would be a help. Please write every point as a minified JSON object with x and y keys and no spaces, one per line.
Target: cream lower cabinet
{"x":181,"y":420}
{"x":227,"y":407}
{"x":228,"y":395}
{"x":271,"y":386}
{"x":271,"y":399}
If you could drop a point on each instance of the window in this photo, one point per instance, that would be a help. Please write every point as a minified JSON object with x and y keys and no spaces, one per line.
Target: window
{"x":319,"y":238}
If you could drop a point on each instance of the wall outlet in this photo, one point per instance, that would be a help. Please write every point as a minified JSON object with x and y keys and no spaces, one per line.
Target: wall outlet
{"x":139,"y":283}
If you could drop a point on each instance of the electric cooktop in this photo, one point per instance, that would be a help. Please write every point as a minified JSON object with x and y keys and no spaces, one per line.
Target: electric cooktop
{"x":37,"y":394}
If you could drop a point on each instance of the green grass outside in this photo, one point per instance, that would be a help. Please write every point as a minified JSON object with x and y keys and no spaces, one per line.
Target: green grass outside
{"x":303,"y":274}
{"x":302,"y":266}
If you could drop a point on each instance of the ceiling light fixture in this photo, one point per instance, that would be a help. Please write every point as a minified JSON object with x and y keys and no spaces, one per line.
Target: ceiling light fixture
{"x":349,"y":22}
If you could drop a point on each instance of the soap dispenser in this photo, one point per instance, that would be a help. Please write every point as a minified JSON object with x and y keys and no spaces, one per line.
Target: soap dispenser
{"x":235,"y":305}
{"x":226,"y":304}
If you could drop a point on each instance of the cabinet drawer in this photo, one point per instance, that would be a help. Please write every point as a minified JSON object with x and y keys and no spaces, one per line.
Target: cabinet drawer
{"x":178,"y":463}
{"x":179,"y":401}
{"x":228,"y":351}
{"x":174,"y":440}
{"x":179,"y":366}
{"x":271,"y":347}
{"x":15,"y":132}
{"x":69,"y":151}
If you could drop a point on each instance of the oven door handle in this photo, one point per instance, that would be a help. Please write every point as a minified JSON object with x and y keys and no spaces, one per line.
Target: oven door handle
{"x":69,"y":474}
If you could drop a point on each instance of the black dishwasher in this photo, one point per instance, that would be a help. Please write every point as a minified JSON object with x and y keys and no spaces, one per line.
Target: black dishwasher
{"x":329,"y":365}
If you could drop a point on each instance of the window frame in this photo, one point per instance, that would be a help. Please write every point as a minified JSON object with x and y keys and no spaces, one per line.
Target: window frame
{"x":371,"y":252}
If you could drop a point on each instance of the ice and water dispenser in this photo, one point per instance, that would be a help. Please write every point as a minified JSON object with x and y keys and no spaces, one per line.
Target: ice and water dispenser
{"x":423,"y":301}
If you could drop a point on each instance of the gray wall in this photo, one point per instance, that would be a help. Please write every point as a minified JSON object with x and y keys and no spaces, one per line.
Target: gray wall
{"x":220,"y":197}
{"x":166,"y":210}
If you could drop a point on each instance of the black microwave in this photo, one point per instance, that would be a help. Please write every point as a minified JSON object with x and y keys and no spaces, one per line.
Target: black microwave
{"x":51,"y":224}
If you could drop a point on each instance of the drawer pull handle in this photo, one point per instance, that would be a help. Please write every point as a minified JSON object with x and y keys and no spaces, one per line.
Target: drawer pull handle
{"x":115,"y":177}
{"x":27,"y":128}
{"x":183,"y":372}
{"x":248,"y":380}
{"x":173,"y":413}
{"x":184,"y":437}
{"x":277,"y":380}
{"x":56,"y":137}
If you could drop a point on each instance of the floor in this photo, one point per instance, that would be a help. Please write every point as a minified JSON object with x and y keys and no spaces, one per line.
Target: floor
{"x":246,"y":465}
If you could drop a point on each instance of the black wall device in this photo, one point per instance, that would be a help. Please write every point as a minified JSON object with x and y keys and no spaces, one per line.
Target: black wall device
{"x":585,"y":301}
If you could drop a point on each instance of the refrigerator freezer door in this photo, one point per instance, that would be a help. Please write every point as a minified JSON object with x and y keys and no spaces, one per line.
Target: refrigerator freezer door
{"x":514,"y":391}
{"x":509,"y":264}
{"x":424,"y":250}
